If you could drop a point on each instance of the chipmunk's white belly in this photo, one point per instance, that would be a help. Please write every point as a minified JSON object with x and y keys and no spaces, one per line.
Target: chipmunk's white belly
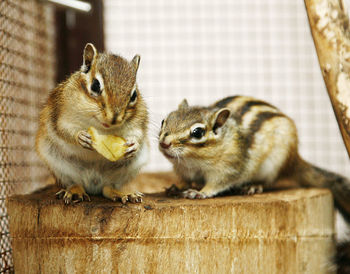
{"x":93,"y":174}
{"x":117,"y":173}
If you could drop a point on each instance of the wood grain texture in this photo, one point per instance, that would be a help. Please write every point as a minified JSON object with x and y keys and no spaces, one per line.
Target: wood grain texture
{"x":329,"y":25}
{"x":283,"y":231}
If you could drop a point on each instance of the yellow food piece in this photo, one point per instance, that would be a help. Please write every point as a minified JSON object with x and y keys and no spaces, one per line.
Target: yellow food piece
{"x":110,"y":146}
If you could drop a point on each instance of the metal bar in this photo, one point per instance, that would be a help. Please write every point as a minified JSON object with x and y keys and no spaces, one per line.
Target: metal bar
{"x":73,"y":4}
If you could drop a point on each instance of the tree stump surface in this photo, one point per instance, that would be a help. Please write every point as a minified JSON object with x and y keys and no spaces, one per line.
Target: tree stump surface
{"x":282,"y":231}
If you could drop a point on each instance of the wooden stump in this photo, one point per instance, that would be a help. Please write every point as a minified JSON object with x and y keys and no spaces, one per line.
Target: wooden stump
{"x":285,"y":231}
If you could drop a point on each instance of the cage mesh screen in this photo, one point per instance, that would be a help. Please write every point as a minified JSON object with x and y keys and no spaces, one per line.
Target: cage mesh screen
{"x":206,"y":50}
{"x":26,"y":76}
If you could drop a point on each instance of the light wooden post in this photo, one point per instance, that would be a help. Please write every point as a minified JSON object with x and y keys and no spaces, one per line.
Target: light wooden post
{"x":330,"y":29}
{"x":286,"y":231}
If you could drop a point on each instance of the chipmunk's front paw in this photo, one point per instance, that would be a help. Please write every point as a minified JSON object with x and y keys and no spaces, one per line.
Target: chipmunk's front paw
{"x":132,"y":148}
{"x":194,"y":194}
{"x":74,"y":194}
{"x":252,"y":189}
{"x":85,"y":140}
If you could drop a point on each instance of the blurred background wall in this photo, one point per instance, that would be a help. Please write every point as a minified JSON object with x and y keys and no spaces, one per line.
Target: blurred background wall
{"x":27,"y":73}
{"x":205,"y":50}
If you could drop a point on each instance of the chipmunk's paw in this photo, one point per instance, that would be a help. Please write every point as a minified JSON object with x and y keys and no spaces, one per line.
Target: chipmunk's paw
{"x":132,"y":148}
{"x":252,"y":189}
{"x":74,"y":194}
{"x":194,"y":194}
{"x":85,"y":140}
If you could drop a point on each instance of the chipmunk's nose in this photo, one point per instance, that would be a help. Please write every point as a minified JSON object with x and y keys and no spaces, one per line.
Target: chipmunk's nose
{"x":165,"y":145}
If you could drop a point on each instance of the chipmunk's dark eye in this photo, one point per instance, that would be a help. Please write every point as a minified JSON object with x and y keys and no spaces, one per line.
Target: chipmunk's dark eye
{"x":162,"y":123}
{"x":133,"y":96}
{"x":198,"y":132}
{"x":96,"y":87}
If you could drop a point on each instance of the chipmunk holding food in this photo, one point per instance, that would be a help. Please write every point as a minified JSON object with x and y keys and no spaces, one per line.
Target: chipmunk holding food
{"x":239,"y":142}
{"x":104,"y":95}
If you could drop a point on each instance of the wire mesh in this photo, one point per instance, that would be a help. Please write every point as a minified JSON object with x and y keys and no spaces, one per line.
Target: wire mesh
{"x":206,"y":50}
{"x":26,"y":75}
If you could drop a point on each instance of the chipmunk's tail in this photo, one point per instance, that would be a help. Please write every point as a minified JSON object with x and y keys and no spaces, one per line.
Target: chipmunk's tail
{"x":311,"y":176}
{"x":308,"y":175}
{"x":342,"y":259}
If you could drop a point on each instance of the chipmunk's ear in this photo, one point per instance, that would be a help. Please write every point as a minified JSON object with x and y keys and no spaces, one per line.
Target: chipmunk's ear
{"x":219,"y":118}
{"x":183,"y":104}
{"x":136,"y":61}
{"x":89,"y":55}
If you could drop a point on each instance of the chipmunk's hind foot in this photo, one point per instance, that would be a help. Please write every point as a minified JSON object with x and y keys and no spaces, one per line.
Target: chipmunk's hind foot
{"x":73,"y":194}
{"x":115,"y":195}
{"x":252,"y":189}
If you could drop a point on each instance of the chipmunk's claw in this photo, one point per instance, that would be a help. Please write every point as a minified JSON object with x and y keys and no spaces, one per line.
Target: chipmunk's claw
{"x":132,"y":147}
{"x":85,"y":139}
{"x":116,"y":195}
{"x":74,"y":194}
{"x":132,"y":198}
{"x":252,"y":189}
{"x":194,"y":194}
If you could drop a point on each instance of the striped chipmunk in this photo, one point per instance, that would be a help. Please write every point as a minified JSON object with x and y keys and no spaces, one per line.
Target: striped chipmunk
{"x":102,"y":94}
{"x":239,"y":143}
{"x":245,"y":144}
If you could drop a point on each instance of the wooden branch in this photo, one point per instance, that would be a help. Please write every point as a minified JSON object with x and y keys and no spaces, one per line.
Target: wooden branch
{"x":330,"y":29}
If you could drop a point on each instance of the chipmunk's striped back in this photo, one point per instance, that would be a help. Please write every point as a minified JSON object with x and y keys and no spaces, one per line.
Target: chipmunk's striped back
{"x":264,"y":129}
{"x":249,"y":113}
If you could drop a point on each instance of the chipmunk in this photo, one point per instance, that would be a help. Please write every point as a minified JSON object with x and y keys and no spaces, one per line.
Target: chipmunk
{"x":240,"y":142}
{"x":102,"y":94}
{"x":244,"y":143}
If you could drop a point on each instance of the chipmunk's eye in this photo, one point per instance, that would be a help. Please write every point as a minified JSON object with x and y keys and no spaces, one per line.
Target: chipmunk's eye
{"x":162,"y":123}
{"x":198,"y":132}
{"x":133,"y":96}
{"x":96,"y":87}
